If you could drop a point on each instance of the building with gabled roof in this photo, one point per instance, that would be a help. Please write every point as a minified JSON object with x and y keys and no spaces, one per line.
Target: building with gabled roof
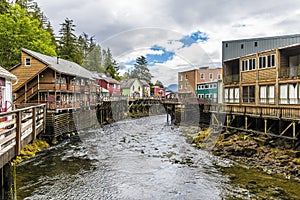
{"x":58,"y":82}
{"x":110,"y":84}
{"x":132,"y":87}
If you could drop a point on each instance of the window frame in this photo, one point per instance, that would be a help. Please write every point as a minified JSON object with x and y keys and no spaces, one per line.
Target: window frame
{"x":26,"y":61}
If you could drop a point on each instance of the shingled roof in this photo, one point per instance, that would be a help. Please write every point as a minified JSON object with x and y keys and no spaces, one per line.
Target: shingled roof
{"x":61,"y":65}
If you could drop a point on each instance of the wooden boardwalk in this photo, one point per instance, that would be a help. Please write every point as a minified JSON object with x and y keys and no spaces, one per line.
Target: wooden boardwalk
{"x":18,"y":128}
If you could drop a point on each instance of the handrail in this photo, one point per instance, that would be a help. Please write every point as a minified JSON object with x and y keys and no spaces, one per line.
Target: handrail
{"x":22,"y":127}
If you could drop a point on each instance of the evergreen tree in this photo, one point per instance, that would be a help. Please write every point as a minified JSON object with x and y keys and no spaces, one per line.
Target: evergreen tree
{"x":18,"y":30}
{"x":67,"y":44}
{"x":94,"y":60}
{"x":141,"y":70}
{"x":110,"y":65}
{"x":159,"y":83}
{"x":86,"y":44}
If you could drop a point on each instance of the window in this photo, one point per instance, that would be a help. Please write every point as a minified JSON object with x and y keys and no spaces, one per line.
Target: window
{"x":255,"y":44}
{"x":107,"y":85}
{"x":262,"y":62}
{"x":114,"y":86}
{"x":242,"y":46}
{"x":186,"y":85}
{"x":133,"y":87}
{"x":27,"y":62}
{"x":266,"y":94}
{"x":226,"y":45}
{"x":180,"y":86}
{"x":202,"y":76}
{"x":252,"y":64}
{"x":180,"y":77}
{"x":186,"y":77}
{"x":289,"y":93}
{"x":210,"y":76}
{"x":219,"y":76}
{"x":267,"y":61}
{"x":249,"y":94}
{"x":271,"y":60}
{"x":245,"y":65}
{"x":231,"y":95}
{"x":248,"y":64}
{"x":139,"y":88}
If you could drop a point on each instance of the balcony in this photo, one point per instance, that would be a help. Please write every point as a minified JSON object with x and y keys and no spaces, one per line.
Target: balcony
{"x":235,"y":78}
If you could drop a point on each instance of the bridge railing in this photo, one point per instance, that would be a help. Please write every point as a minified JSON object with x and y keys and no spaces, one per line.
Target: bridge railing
{"x":18,"y":128}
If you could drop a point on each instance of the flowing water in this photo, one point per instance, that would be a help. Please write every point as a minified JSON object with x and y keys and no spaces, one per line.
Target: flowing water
{"x":140,"y":159}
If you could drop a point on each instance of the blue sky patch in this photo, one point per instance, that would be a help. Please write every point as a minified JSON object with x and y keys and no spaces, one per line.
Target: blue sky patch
{"x":163,"y":55}
{"x":159,"y":58}
{"x":193,"y":38}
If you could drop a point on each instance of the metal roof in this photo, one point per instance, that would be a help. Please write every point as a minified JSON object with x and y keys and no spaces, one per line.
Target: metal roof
{"x":127,"y":83}
{"x":61,"y":65}
{"x":232,"y":49}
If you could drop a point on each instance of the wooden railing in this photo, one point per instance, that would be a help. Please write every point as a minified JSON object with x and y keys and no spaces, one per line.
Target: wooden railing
{"x":18,"y":128}
{"x":266,"y":111}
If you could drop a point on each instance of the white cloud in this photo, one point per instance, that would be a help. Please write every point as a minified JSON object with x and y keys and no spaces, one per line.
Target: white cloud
{"x":131,"y":28}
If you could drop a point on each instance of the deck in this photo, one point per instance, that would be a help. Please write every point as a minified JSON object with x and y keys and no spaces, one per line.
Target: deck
{"x":18,"y":128}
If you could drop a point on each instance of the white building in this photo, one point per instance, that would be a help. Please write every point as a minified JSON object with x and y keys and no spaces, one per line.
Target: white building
{"x":7,"y":79}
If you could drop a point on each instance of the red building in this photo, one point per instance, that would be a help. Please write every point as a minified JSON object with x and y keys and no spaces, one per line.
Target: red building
{"x":158,"y":92}
{"x":112,"y":85}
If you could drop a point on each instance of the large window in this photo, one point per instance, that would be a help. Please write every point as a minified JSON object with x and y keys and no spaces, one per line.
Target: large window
{"x":266,"y":94}
{"x":249,"y":94}
{"x":289,"y":93}
{"x":231,"y":95}
{"x":248,"y":64}
{"x":267,"y":61}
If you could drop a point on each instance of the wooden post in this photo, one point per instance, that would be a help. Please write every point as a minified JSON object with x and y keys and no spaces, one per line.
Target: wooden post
{"x":246,"y":122}
{"x":294,"y":130}
{"x":18,"y":132}
{"x":44,"y":117}
{"x":266,"y":125}
{"x":34,"y":123}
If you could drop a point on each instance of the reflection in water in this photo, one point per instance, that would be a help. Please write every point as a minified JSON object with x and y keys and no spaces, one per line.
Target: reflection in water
{"x":133,"y":159}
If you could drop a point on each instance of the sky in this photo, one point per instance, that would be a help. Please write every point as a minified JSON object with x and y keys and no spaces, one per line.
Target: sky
{"x":173,"y":35}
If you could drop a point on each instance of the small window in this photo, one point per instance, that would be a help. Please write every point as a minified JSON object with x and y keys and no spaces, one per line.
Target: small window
{"x":226,"y":45}
{"x":202,"y":76}
{"x":255,"y":44}
{"x":219,"y":76}
{"x":27,"y":62}
{"x":242,"y":46}
{"x":210,"y":76}
{"x":180,"y":77}
{"x":186,"y":77}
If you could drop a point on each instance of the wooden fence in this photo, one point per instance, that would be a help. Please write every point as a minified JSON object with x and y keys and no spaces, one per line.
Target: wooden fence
{"x":18,"y":128}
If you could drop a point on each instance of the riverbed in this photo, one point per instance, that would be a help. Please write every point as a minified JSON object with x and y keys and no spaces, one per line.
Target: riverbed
{"x":142,"y":158}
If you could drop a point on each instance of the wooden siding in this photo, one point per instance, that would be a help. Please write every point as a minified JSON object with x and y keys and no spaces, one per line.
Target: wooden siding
{"x":249,"y":77}
{"x":25,"y":73}
{"x":267,"y":74}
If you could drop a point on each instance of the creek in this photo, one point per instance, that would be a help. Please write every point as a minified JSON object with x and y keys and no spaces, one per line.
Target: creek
{"x":142,"y":158}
